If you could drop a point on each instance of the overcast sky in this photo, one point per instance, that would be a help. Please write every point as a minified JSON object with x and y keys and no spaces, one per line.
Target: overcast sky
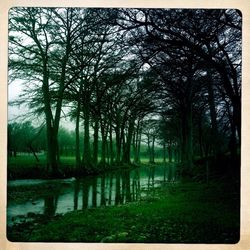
{"x":14,"y":89}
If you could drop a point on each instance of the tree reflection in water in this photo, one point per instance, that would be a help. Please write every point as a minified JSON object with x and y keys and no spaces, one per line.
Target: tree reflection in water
{"x":110,"y":189}
{"x":136,"y":185}
{"x":103,"y":201}
{"x":113,"y":188}
{"x":50,"y":204}
{"x":116,"y":187}
{"x":151,"y":178}
{"x":85,"y":194}
{"x":76,"y":193}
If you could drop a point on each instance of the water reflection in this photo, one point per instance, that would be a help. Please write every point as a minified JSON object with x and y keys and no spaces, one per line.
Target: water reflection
{"x":50,"y":204}
{"x":76,"y":194}
{"x":109,"y":189}
{"x":151,"y":177}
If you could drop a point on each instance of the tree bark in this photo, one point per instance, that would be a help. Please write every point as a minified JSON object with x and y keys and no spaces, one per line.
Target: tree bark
{"x":200,"y":133}
{"x":170,"y":153}
{"x":118,"y":148}
{"x":149,"y":148}
{"x":95,"y":142}
{"x":104,"y":143}
{"x":139,"y":147}
{"x":52,"y":164}
{"x":187,"y":143}
{"x":164,"y":152}
{"x":86,"y":159}
{"x":214,"y":139}
{"x":111,"y":145}
{"x":127,"y":144}
{"x":77,"y":134}
{"x":153,"y":149}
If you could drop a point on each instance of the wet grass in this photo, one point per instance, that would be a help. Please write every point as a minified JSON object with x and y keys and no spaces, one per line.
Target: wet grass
{"x":189,"y":212}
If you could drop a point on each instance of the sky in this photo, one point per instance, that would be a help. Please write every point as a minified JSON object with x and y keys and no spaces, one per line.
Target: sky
{"x":14,"y":89}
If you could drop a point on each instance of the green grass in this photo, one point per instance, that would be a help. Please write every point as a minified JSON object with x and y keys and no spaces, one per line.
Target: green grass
{"x":157,"y":159}
{"x":29,"y":160}
{"x":183,"y":213}
{"x":26,"y":160}
{"x":26,"y":166}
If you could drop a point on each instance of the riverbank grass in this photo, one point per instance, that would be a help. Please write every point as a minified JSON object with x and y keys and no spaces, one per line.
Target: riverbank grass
{"x":174,"y":213}
{"x":26,"y":167}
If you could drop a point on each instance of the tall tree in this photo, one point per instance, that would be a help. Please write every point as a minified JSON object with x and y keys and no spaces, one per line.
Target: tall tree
{"x":46,"y":38}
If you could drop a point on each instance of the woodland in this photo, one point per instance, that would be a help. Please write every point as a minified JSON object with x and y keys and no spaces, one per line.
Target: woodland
{"x":138,"y":87}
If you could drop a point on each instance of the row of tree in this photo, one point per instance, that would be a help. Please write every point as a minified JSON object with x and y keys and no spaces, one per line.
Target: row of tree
{"x":25,"y":139}
{"x":175,"y":72}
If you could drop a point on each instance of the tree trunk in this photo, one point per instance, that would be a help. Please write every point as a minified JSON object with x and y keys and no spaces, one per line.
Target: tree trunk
{"x":236,"y":102}
{"x":122,"y":140}
{"x":77,"y":152}
{"x":187,"y":147}
{"x":214,"y":139}
{"x":86,"y":160}
{"x":232,"y":141}
{"x":107,"y":151}
{"x":170,"y":154}
{"x":52,"y":164}
{"x":135,"y":143}
{"x":95,"y":143}
{"x":153,"y":149}
{"x":60,"y":101}
{"x":234,"y":96}
{"x":111,"y":145}
{"x":33,"y":152}
{"x":126,"y":152}
{"x":78,"y":112}
{"x":164,"y":152}
{"x":118,"y":148}
{"x":149,"y":148}
{"x":52,"y":147}
{"x":134,"y":146}
{"x":118,"y":142}
{"x":104,"y":144}
{"x":139,"y":147}
{"x":200,"y":136}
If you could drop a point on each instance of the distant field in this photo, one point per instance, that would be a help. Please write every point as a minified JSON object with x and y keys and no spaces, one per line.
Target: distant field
{"x":26,"y":166}
{"x":29,"y":160}
{"x":26,"y":160}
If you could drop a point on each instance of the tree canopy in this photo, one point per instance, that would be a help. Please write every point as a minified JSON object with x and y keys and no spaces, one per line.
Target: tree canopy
{"x":169,"y":77}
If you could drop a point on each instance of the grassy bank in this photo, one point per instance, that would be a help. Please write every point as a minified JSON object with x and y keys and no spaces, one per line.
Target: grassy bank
{"x":26,"y":167}
{"x":188,"y":212}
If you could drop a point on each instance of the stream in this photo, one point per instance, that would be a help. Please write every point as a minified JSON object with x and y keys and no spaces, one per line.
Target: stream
{"x":109,"y":189}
